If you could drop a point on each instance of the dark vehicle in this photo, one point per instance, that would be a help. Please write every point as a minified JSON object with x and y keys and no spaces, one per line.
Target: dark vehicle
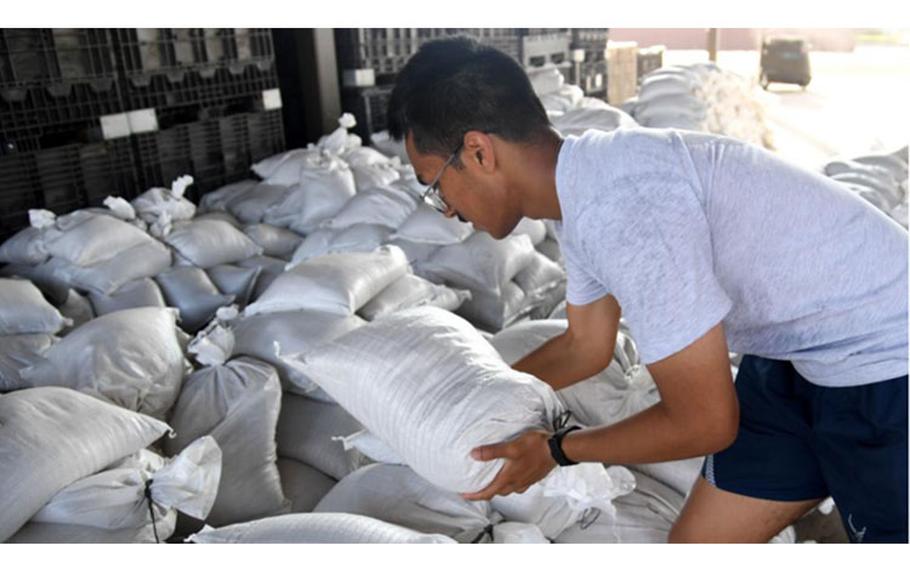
{"x":785,"y":60}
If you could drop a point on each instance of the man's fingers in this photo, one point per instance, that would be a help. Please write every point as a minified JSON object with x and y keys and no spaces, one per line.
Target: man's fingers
{"x":492,"y":452}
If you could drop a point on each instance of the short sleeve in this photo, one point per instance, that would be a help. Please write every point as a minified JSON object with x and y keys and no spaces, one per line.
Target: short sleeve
{"x":652,"y":242}
{"x":581,"y":287}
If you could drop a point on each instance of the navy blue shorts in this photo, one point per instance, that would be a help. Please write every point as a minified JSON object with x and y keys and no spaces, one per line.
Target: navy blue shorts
{"x":800,"y":441}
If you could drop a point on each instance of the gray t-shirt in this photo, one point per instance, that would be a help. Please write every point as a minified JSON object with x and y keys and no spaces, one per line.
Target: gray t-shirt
{"x":687,"y":230}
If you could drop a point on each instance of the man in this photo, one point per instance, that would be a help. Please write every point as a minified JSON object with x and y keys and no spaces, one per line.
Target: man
{"x":704,"y":245}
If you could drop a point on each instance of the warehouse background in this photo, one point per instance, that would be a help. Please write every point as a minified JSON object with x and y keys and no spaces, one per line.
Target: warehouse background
{"x":87,"y":113}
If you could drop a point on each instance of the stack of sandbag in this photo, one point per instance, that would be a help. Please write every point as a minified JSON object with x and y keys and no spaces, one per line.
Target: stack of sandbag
{"x":429,"y":388}
{"x":89,"y":250}
{"x":28,"y":328}
{"x":621,"y":390}
{"x":135,"y":499}
{"x":591,"y":114}
{"x":209,"y":271}
{"x":488,"y":268}
{"x":880,"y":179}
{"x":316,"y":528}
{"x":236,"y":402}
{"x":544,"y":278}
{"x":549,"y":85}
{"x":314,"y":302}
{"x":702,"y":97}
{"x":134,"y":359}
{"x":53,"y":437}
{"x":425,"y":231}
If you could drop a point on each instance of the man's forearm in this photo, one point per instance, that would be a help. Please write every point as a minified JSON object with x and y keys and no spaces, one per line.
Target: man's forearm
{"x":560,"y":364}
{"x":648,"y":437}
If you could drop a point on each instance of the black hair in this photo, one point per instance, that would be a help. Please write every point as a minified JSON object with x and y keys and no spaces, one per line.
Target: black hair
{"x":454,"y":85}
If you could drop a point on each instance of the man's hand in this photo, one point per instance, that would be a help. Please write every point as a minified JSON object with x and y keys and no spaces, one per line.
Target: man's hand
{"x":528,"y":460}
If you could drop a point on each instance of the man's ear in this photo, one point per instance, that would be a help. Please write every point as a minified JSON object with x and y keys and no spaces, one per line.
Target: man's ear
{"x":479,"y":150}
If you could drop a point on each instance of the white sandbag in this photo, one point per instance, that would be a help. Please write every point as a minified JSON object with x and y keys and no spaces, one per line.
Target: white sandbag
{"x":895,"y":163}
{"x":356,"y":238}
{"x":518,"y":533}
{"x":56,"y":533}
{"x":270,"y":167}
{"x":157,"y":205}
{"x":307,"y":430}
{"x":482,"y":262}
{"x":578,"y":120}
{"x":417,"y":253}
{"x":564,"y":99}
{"x":270,"y":269}
{"x":540,"y":276}
{"x":77,"y":308}
{"x":192,"y":292}
{"x":336,"y":283}
{"x":397,"y":495}
{"x":315,"y":528}
{"x":494,"y":311}
{"x":413,"y":380}
{"x":534,"y":228}
{"x":566,"y":496}
{"x":890,"y":192}
{"x":428,"y":226}
{"x":217,"y":200}
{"x":132,"y":358}
{"x":324,"y":184}
{"x":53,"y":288}
{"x":644,"y":516}
{"x":340,"y":140}
{"x":24,"y":310}
{"x":550,"y":249}
{"x":369,"y":174}
{"x":884,"y":175}
{"x":621,"y":390}
{"x":411,"y":291}
{"x":265,"y":336}
{"x":18,"y":352}
{"x":376,"y":205}
{"x":209,"y":243}
{"x":274,"y":241}
{"x":55,"y":436}
{"x":236,"y":403}
{"x":140,"y":293}
{"x":546,"y":80}
{"x":235,"y":281}
{"x":94,"y":240}
{"x":303,"y":485}
{"x":121,"y":496}
{"x":141,"y":261}
{"x":392,"y":148}
{"x":25,"y":247}
{"x":250,"y":206}
{"x":220,"y":216}
{"x":665,"y":84}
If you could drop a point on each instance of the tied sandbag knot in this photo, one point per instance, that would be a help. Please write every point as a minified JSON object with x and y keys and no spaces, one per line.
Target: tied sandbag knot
{"x":487,"y":530}
{"x":148,"y":498}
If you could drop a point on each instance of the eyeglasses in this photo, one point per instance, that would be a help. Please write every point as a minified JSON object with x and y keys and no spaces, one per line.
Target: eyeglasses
{"x":431,"y":196}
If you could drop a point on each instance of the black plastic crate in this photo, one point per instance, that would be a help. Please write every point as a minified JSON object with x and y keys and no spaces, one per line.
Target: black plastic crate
{"x":370,"y":106}
{"x":385,"y":50}
{"x":173,"y":51}
{"x":196,"y":97}
{"x":62,"y":179}
{"x":591,"y":77}
{"x":42,"y":56}
{"x":215,"y":151}
{"x":649,"y":59}
{"x":593,"y":41}
{"x":54,"y":85}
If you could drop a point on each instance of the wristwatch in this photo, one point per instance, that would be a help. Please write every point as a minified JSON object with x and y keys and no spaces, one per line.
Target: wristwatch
{"x":555,"y":443}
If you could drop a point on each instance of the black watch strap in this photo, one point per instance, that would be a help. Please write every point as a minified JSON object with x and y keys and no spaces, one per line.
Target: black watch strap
{"x":555,"y":443}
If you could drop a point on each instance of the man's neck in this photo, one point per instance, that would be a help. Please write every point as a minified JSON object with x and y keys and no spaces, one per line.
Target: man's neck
{"x":535,"y":174}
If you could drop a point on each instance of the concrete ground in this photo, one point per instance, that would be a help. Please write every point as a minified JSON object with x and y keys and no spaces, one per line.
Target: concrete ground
{"x":856,"y":102}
